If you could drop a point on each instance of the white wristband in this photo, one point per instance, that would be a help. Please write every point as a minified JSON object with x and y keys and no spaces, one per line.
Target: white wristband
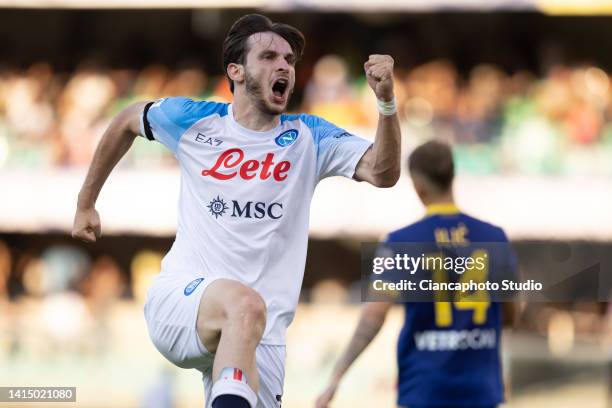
{"x":386,"y":108}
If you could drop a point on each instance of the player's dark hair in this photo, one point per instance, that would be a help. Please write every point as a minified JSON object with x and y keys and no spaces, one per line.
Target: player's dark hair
{"x":235,"y":47}
{"x":434,"y":161}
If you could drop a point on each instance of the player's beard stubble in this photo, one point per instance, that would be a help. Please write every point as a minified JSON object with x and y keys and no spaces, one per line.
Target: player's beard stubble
{"x":255,"y":90}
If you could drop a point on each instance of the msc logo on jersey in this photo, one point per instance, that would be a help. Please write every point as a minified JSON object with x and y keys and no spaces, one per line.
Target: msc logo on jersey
{"x":217,"y":207}
{"x":192,"y":286}
{"x":286,"y":138}
{"x":249,"y":209}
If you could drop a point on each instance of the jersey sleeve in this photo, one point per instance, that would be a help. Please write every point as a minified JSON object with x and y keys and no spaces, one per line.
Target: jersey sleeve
{"x":338,"y":151}
{"x":167,"y":119}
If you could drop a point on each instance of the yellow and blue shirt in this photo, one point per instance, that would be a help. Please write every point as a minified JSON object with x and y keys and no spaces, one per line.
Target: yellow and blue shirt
{"x":448,"y":352}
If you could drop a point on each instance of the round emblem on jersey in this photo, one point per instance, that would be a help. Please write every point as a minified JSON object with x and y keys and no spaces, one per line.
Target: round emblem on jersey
{"x":286,"y":138}
{"x":192,"y":286}
{"x":217,"y":207}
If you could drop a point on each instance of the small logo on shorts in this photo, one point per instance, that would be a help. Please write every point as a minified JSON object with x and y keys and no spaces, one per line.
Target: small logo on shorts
{"x":192,"y":286}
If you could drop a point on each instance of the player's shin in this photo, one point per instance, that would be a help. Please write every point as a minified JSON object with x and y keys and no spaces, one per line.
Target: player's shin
{"x":235,"y":367}
{"x":234,"y":387}
{"x":231,"y":390}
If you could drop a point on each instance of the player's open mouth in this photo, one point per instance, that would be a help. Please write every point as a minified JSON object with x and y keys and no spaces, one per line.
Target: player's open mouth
{"x":279,"y":87}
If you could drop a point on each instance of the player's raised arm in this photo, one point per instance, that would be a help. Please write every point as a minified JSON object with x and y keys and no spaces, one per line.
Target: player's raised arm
{"x":380,"y":165}
{"x":372,"y":318}
{"x":115,"y":142}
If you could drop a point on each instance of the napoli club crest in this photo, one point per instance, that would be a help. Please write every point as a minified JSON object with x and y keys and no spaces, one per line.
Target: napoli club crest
{"x":286,"y":138}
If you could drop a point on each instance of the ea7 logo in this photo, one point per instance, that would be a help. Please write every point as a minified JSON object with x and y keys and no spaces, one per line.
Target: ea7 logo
{"x":202,"y":138}
{"x":341,"y":135}
{"x":286,"y":138}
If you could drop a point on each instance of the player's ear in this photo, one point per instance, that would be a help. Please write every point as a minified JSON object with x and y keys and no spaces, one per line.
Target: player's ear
{"x":235,"y":72}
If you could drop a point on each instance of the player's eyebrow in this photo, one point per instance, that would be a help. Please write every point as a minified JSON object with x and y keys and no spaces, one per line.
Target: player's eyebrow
{"x":290,"y":57}
{"x":268,"y":53}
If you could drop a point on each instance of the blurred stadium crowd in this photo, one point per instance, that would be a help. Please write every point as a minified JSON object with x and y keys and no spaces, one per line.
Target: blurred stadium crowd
{"x":559,"y":123}
{"x":56,"y":293}
{"x":51,"y":298}
{"x":78,"y":316}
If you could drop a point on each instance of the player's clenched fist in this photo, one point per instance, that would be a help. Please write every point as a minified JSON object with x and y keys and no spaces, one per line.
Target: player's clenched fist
{"x":379,"y":72}
{"x":86,"y":225}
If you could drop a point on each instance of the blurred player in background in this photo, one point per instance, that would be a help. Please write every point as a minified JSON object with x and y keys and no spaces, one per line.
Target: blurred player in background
{"x":443,"y":360}
{"x":229,"y":286}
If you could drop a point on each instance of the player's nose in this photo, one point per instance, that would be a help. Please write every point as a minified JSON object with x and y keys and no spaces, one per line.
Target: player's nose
{"x":282,"y":65}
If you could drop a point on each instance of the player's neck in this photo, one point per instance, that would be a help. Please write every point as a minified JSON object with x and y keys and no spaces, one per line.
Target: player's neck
{"x":441,"y":199}
{"x":247,"y":115}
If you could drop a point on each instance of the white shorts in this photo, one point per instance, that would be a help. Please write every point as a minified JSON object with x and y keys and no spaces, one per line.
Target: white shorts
{"x":171,"y":311}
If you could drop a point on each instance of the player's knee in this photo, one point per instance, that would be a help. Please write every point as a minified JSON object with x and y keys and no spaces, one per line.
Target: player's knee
{"x":248,"y":312}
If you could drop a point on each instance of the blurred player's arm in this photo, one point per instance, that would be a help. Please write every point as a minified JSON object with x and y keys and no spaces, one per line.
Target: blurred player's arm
{"x":372,"y":318}
{"x":380,"y":165}
{"x":512,"y":314}
{"x":115,"y":142}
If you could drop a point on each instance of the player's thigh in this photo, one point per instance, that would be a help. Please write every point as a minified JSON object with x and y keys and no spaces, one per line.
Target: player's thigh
{"x":171,"y":312}
{"x":221,"y":300}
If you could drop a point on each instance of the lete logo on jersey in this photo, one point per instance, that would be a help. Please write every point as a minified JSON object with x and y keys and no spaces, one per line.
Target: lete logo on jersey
{"x":286,"y":138}
{"x":231,"y":163}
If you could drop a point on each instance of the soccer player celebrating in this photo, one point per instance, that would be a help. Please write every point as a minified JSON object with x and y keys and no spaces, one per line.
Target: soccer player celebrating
{"x":447,"y":351}
{"x":229,"y":286}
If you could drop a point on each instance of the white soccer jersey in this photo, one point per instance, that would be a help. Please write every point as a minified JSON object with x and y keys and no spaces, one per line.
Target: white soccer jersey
{"x":245,"y":196}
